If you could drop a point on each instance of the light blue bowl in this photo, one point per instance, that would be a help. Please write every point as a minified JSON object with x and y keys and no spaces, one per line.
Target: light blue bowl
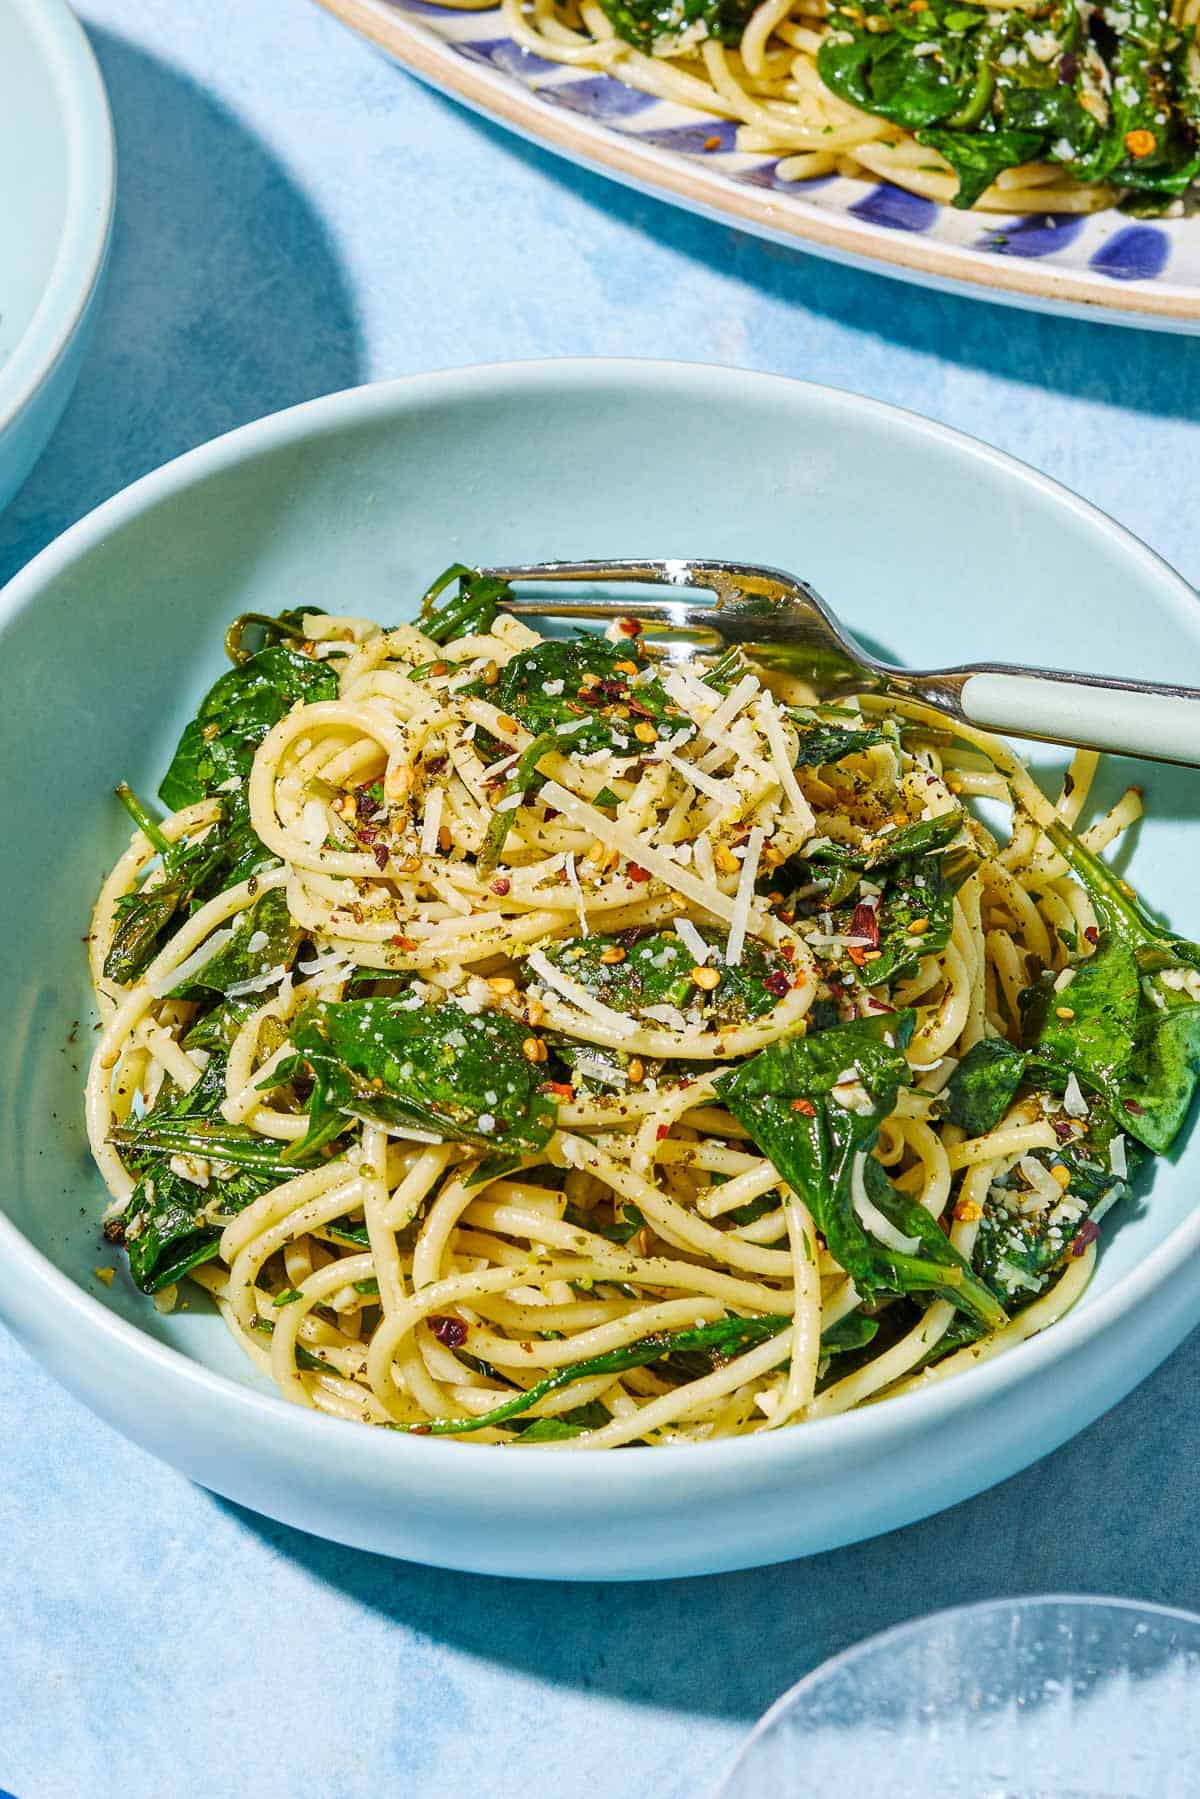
{"x":926,"y":541}
{"x":56,"y":202}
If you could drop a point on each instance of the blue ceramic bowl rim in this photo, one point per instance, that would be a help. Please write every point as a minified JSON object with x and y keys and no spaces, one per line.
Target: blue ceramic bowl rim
{"x":539,"y":1479}
{"x":91,"y":186}
{"x":917,"y":1627}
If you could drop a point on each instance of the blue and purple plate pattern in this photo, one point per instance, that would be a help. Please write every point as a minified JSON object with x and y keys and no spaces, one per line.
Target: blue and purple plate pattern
{"x":1104,"y":266}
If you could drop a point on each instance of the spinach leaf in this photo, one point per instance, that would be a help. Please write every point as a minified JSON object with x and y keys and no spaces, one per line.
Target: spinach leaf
{"x":912,"y":917}
{"x":192,"y":871}
{"x":656,"y":970}
{"x":978,"y":157}
{"x":566,"y":1424}
{"x":656,"y":25}
{"x":235,"y":715}
{"x":217,"y":1028}
{"x":814,"y":1105}
{"x":443,"y":1070}
{"x":270,"y":927}
{"x":824,"y":740}
{"x":854,"y":1331}
{"x":1135,"y":1030}
{"x":468,"y":612}
{"x":1088,"y":1026}
{"x":1157,"y":1088}
{"x":891,"y":844}
{"x":984,"y":1085}
{"x":1121,"y":913}
{"x":162,"y":1227}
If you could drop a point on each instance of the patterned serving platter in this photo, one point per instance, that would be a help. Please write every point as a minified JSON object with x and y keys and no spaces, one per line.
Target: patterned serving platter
{"x":1105,"y":267}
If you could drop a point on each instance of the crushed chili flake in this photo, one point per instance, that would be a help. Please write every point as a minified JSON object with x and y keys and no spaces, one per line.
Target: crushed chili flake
{"x":805,"y":1107}
{"x":712,"y":143}
{"x":1087,"y":1233}
{"x":661,"y":1131}
{"x":400,"y":941}
{"x":630,"y":627}
{"x":1062,"y":1130}
{"x":560,"y":1089}
{"x":777,"y":983}
{"x":865,"y":923}
{"x":501,"y":885}
{"x":450,"y":1331}
{"x":1092,"y":933}
{"x":1131,"y":1105}
{"x":381,"y":853}
{"x":637,"y":873}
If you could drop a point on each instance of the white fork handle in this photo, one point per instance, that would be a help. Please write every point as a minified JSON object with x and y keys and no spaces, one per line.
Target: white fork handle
{"x":1163,"y":724}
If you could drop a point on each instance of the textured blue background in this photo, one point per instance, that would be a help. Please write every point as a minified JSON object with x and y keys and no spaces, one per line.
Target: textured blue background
{"x":295,"y":217}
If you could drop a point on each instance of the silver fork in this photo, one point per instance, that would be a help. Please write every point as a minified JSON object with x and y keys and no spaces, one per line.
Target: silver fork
{"x":791,"y":627}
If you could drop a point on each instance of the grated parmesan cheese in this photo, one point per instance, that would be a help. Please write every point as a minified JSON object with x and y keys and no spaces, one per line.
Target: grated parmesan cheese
{"x":696,"y":947}
{"x":577,"y":890}
{"x":773,"y":731}
{"x":743,"y":898}
{"x":431,"y":823}
{"x":1074,"y":1104}
{"x":636,"y":849}
{"x":183,"y":971}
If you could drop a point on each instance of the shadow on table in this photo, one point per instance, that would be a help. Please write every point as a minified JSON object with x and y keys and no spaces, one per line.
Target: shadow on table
{"x":1113,"y":1512}
{"x":1142,"y":370}
{"x":225,"y":300}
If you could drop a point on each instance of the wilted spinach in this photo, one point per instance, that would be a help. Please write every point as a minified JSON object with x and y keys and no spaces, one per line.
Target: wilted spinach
{"x":785,"y":1097}
{"x":448,"y":1072}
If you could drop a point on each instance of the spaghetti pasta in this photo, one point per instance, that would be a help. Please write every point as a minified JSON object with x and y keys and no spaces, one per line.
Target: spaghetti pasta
{"x":562,"y":1042}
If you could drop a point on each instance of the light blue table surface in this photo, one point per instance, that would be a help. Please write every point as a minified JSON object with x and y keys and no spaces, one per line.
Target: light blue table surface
{"x":294,"y":217}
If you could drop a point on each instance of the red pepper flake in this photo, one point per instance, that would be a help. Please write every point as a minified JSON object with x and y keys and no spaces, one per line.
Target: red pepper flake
{"x":630,"y":627}
{"x":637,"y":873}
{"x":777,"y":983}
{"x":712,"y":143}
{"x":401,"y":942}
{"x":501,"y":885}
{"x":560,"y":1089}
{"x":805,"y":1107}
{"x":1063,"y":1131}
{"x":1131,"y":1105}
{"x":865,"y":923}
{"x":787,"y":951}
{"x":1092,"y":933}
{"x":661,"y":1131}
{"x":381,"y":853}
{"x":1087,"y":1233}
{"x":450,"y":1331}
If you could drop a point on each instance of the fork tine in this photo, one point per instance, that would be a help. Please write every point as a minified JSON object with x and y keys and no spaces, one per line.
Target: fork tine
{"x":745,"y":595}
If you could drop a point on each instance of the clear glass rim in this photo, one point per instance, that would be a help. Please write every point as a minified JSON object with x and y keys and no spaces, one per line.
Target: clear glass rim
{"x":911,"y":1627}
